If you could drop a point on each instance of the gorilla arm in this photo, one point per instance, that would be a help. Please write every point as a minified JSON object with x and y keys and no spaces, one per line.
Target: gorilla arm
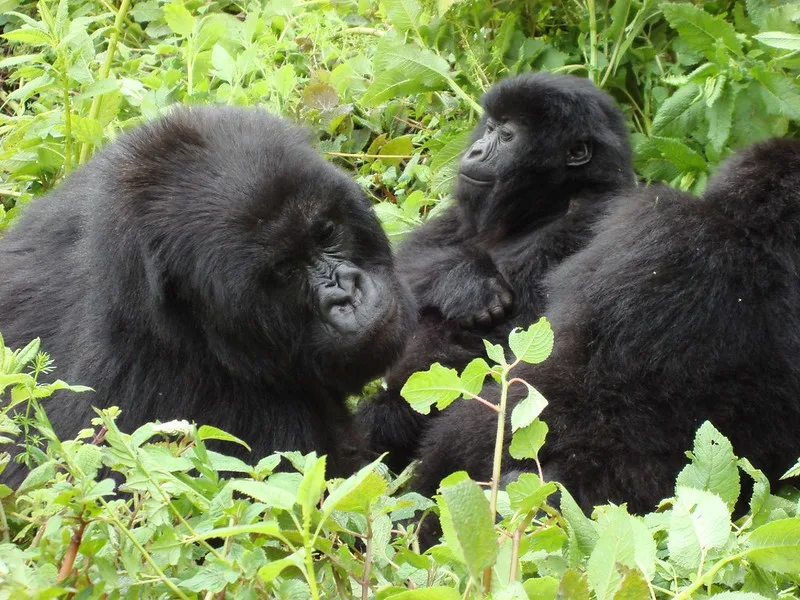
{"x":449,"y":273}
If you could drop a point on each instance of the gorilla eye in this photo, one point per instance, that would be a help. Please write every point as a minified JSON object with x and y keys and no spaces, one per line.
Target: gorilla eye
{"x":506,"y":135}
{"x":326,"y":232}
{"x":579,"y":154}
{"x":490,"y":126}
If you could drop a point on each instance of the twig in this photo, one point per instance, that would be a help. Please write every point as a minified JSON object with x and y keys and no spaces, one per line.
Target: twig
{"x":72,"y":552}
{"x":367,"y":562}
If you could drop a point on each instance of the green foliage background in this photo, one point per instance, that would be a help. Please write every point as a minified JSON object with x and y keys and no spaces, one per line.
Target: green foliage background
{"x":391,"y":90}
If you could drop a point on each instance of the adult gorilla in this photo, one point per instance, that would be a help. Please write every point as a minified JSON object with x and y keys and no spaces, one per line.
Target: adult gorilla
{"x":209,"y":266}
{"x":549,"y":153}
{"x":680,"y":310}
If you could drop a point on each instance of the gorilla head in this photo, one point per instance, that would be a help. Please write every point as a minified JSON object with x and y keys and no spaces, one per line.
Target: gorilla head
{"x":541,"y":134}
{"x":217,"y":269}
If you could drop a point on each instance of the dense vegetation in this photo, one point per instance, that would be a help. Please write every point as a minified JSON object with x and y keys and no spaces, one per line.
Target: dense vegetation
{"x":391,"y":89}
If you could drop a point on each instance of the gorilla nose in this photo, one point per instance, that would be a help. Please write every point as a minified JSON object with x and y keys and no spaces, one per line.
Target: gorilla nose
{"x":348,"y":279}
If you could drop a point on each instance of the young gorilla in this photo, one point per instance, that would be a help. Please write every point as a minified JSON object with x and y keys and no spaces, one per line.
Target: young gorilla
{"x":547,"y":156}
{"x":679,"y":311}
{"x":209,"y":266}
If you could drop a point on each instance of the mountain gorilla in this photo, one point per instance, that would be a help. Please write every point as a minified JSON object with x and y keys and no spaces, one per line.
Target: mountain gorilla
{"x":545,"y":159}
{"x":679,"y":311}
{"x":209,"y":266}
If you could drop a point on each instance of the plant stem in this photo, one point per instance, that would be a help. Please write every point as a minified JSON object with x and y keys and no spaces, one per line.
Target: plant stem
{"x":94,"y":109}
{"x":67,"y":115}
{"x":72,"y":553}
{"x":497,"y":463}
{"x":592,"y":40}
{"x":708,"y":577}
{"x":308,"y":559}
{"x":367,"y":562}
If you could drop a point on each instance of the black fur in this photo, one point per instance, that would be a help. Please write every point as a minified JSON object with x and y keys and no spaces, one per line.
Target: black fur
{"x":681,"y":310}
{"x":500,"y":239}
{"x":209,"y":266}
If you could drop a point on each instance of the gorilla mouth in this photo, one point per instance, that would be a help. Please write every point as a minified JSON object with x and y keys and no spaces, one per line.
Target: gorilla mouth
{"x":478,"y":182}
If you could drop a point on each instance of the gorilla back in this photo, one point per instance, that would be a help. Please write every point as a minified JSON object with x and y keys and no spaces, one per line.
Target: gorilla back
{"x":681,"y":310}
{"x":209,"y":266}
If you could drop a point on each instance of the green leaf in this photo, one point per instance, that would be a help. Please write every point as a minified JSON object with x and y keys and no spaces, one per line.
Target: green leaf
{"x":223,"y":63}
{"x":207,"y":432}
{"x":403,"y":14}
{"x":495,"y":352}
{"x":527,"y":441}
{"x":88,"y":459}
{"x":583,"y":529}
{"x":310,"y":491}
{"x":673,"y":110}
{"x":438,"y":385}
{"x":31,"y":37}
{"x":779,"y":39}
{"x":430,"y":593}
{"x":356,"y":492}
{"x":713,"y":467}
{"x":702,"y":31}
{"x":284,"y":80}
{"x":720,"y":118}
{"x":541,"y":588}
{"x":761,"y":487}
{"x":623,"y":539}
{"x":527,"y":492}
{"x":527,"y":410}
{"x":534,"y":344}
{"x":780,"y":93}
{"x":404,"y":70}
{"x":399,"y":146}
{"x":38,"y":477}
{"x":179,"y":19}
{"x":679,"y":154}
{"x":272,"y":569}
{"x":776,"y":546}
{"x":87,"y":130}
{"x":700,"y":522}
{"x":473,"y":376}
{"x":467,"y":522}
{"x":739,"y":596}
{"x":574,"y":586}
{"x":632,"y":587}
{"x":271,"y":495}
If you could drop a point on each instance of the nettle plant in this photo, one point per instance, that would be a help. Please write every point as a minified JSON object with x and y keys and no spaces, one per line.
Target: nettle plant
{"x":192,"y":522}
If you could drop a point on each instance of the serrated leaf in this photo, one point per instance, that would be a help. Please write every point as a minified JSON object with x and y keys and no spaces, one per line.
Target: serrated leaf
{"x":720,"y":118}
{"x":532,"y":345}
{"x":527,"y":442}
{"x":776,"y":546}
{"x":31,"y":37}
{"x":574,"y":586}
{"x":403,"y":14}
{"x":495,"y":352}
{"x":356,"y":492}
{"x":223,"y":63}
{"x":528,"y":409}
{"x":780,"y":93}
{"x":179,"y":19}
{"x":88,"y":459}
{"x":739,"y":596}
{"x":272,"y":569}
{"x":679,"y":154}
{"x":38,"y":477}
{"x":632,"y":587}
{"x":310,"y":491}
{"x":207,"y":432}
{"x":473,"y":376}
{"x":700,"y":522}
{"x":673,"y":110}
{"x":467,"y":522}
{"x":702,"y":31}
{"x":583,"y":528}
{"x":87,"y":130}
{"x":269,"y":494}
{"x":438,"y":385}
{"x":779,"y":39}
{"x":405,"y":70}
{"x":284,"y":80}
{"x":713,"y":467}
{"x":623,"y":539}
{"x":528,"y":492}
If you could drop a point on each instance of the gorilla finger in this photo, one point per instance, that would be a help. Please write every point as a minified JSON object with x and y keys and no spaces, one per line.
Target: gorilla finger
{"x":497,"y":313}
{"x":483,"y":320}
{"x":507,"y":300}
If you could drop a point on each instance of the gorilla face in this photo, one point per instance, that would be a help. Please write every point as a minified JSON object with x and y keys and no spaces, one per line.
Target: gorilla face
{"x":547,"y":137}
{"x":277,"y":260}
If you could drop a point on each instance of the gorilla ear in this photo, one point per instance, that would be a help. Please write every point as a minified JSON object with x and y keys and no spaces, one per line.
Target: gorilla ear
{"x":579,"y":153}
